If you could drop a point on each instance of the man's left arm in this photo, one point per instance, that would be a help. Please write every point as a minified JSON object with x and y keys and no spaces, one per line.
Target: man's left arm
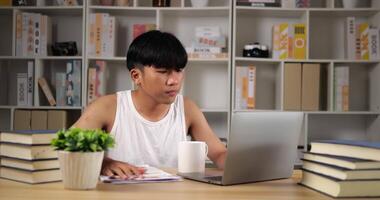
{"x":200,"y":130}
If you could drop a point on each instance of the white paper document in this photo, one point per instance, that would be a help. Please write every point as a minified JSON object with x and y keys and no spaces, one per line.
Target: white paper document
{"x":151,"y":175}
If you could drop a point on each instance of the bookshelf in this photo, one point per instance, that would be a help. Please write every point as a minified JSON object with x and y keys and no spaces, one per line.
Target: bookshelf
{"x":324,"y":22}
{"x":210,"y":82}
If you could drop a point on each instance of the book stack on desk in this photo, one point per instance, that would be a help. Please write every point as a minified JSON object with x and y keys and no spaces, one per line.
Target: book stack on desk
{"x":343,"y":168}
{"x":27,"y":156}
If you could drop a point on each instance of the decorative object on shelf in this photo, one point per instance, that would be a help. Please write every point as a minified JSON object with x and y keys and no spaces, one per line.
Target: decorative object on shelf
{"x":259,"y":3}
{"x":106,"y":2}
{"x":161,"y":3}
{"x":65,"y":48}
{"x":19,"y":3}
{"x":302,"y":3}
{"x":256,"y":50}
{"x":350,"y":3}
{"x":199,"y":3}
{"x":80,"y":155}
{"x":67,"y":2}
{"x":121,"y":3}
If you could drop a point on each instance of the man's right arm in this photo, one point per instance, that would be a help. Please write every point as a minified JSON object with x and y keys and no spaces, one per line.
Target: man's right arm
{"x":101,"y":115}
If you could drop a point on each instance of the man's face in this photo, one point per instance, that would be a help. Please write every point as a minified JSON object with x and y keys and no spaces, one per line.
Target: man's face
{"x":161,"y":84}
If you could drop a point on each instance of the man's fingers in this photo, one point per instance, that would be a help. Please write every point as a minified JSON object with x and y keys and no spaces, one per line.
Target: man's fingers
{"x":107,"y":172}
{"x":118,"y":171}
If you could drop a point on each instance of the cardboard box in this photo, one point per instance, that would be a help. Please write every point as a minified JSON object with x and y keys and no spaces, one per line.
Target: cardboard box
{"x":22,"y":120}
{"x":292,"y":86}
{"x":39,"y":120}
{"x":311,"y":74}
{"x":57,"y":119}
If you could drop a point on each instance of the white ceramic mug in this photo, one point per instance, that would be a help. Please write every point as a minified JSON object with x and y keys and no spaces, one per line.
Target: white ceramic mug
{"x":199,"y":3}
{"x":192,"y":156}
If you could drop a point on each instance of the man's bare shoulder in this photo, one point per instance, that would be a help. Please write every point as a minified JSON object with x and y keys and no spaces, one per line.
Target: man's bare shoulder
{"x":189,"y":104}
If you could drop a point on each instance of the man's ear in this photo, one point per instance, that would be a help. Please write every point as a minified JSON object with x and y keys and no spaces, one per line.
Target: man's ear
{"x":136,"y":75}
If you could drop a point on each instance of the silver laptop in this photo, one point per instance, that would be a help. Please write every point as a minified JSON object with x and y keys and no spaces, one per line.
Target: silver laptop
{"x":261,"y":146}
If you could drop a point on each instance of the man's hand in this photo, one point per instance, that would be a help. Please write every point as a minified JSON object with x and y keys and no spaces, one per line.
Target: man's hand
{"x":123,"y":170}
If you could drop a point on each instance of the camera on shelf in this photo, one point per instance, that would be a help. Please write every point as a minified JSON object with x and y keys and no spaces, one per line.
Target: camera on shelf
{"x":64,"y":49}
{"x":256,"y":50}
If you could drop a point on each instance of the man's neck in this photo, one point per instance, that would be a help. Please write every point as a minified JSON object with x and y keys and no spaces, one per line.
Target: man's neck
{"x":147,"y":107}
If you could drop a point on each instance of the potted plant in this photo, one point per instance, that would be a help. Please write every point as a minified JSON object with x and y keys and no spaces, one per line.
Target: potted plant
{"x":80,"y":155}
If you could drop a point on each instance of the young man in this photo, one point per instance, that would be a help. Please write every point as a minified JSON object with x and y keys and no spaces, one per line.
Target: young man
{"x":147,"y":123}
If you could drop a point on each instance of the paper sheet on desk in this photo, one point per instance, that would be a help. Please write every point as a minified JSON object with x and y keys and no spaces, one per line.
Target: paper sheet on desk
{"x":151,"y":175}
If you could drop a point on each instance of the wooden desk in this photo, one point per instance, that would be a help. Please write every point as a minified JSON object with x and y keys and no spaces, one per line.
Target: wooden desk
{"x":280,"y":189}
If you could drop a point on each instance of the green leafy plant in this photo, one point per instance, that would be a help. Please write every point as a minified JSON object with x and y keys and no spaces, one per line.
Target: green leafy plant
{"x":80,"y":140}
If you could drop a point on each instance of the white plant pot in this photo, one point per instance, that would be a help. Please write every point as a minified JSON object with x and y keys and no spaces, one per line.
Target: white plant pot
{"x":350,"y":3}
{"x":80,"y":171}
{"x":199,"y":3}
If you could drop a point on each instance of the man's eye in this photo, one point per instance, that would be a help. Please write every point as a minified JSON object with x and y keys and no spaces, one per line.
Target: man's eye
{"x":179,"y":70}
{"x":162,"y":71}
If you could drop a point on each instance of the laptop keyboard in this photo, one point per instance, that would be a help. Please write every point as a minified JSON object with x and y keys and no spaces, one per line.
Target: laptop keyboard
{"x":214,"y":178}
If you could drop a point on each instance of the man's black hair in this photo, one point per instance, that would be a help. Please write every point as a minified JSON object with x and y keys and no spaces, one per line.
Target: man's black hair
{"x":157,"y":49}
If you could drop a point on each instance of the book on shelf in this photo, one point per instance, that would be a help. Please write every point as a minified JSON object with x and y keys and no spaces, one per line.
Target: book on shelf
{"x":102,"y":35}
{"x":31,"y":165}
{"x":32,"y":177}
{"x":338,"y":188}
{"x":342,"y":161}
{"x":29,"y":137}
{"x":5,"y":2}
{"x":22,"y":89}
{"x":374,"y":43}
{"x":33,"y":34}
{"x":341,"y":173}
{"x":245,"y":88}
{"x":58,"y":119}
{"x":60,"y":88}
{"x":22,"y":119}
{"x":350,"y":38}
{"x":39,"y":120}
{"x":47,"y":91}
{"x":341,"y":88}
{"x":209,"y":36}
{"x":67,"y":2}
{"x":30,"y":76}
{"x":369,"y":150}
{"x":27,"y":152}
{"x":292,"y":86}
{"x":139,"y":29}
{"x":310,"y":92}
{"x":96,"y":80}
{"x":207,"y":55}
{"x":289,"y":41}
{"x":363,"y":30}
{"x":73,"y":83}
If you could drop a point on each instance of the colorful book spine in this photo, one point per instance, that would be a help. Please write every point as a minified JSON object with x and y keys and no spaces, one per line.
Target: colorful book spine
{"x":299,"y":41}
{"x":47,"y":91}
{"x":60,"y":88}
{"x":22,"y":89}
{"x":284,"y":40}
{"x":374,"y":44}
{"x":100,"y":79}
{"x":91,"y":84}
{"x":341,"y":88}
{"x":363,"y":29}
{"x":73,"y":81}
{"x":350,"y":38}
{"x":36,"y":34}
{"x":251,"y":98}
{"x":19,"y":26}
{"x":92,"y":36}
{"x":276,"y":41}
{"x":110,"y":37}
{"x":30,"y":83}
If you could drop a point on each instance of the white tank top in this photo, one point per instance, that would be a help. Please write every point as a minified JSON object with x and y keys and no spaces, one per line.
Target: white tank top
{"x":139,"y":141}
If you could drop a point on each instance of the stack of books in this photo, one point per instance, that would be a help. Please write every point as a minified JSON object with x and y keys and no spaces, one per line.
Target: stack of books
{"x":343,"y":168}
{"x":26,"y":156}
{"x":208,"y":43}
